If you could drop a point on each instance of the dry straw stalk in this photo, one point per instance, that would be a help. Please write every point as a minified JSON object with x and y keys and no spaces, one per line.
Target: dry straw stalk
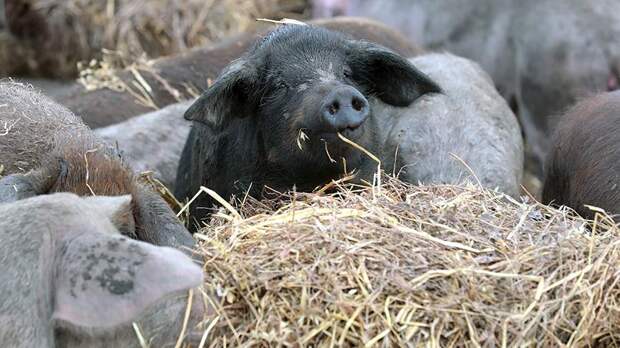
{"x":438,"y":266}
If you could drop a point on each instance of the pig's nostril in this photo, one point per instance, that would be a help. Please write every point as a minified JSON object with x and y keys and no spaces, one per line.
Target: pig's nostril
{"x":357,"y":104}
{"x":333,"y":108}
{"x":345,"y":108}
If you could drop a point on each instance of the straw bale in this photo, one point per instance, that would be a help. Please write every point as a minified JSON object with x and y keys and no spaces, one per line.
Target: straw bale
{"x":403,"y":265}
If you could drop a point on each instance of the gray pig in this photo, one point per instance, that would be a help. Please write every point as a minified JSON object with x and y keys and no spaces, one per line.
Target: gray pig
{"x":544,"y":55}
{"x":153,"y":141}
{"x":69,"y":279}
{"x":465,"y":133}
{"x":45,"y":148}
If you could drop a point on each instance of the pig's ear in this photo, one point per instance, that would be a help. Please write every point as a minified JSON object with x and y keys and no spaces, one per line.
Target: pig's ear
{"x":102,"y":281}
{"x":118,"y":209}
{"x":157,"y":223}
{"x":387,"y":75}
{"x":232,"y":95}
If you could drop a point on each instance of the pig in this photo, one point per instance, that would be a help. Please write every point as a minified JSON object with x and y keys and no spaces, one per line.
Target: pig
{"x":153,"y":141}
{"x":45,"y":148}
{"x":184,"y":76}
{"x":272,"y":119}
{"x":583,"y":166}
{"x":70,"y":279}
{"x":544,"y":55}
{"x":579,"y":58}
{"x":467,"y":133}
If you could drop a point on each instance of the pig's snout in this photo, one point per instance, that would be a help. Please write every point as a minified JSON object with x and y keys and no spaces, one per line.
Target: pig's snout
{"x":345,"y":108}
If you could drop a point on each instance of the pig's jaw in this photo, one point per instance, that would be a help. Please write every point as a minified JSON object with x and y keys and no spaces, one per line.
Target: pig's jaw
{"x":340,"y":142}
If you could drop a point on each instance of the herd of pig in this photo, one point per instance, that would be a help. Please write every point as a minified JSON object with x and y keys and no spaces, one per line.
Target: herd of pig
{"x":94,"y":256}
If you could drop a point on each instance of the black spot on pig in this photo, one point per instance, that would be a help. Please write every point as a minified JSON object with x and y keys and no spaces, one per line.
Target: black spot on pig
{"x":108,"y":266}
{"x":273,"y":116}
{"x":112,"y":279}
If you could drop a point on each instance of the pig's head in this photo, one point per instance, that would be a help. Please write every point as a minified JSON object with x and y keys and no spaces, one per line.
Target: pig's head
{"x":104,"y":281}
{"x":77,"y":282}
{"x":300,"y":86}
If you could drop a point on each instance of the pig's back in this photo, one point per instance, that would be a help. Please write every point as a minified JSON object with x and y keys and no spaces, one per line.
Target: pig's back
{"x":30,"y":126}
{"x":443,"y":138}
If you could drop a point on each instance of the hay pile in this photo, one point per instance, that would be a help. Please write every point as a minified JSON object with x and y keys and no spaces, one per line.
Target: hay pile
{"x":78,"y":30}
{"x":411,"y":266}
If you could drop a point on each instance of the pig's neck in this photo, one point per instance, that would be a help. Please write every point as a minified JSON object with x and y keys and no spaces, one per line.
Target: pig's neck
{"x":245,"y":167}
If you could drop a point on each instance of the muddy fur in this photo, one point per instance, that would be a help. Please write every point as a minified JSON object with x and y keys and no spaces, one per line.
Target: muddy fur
{"x":87,"y":165}
{"x":19,"y":155}
{"x":91,"y":169}
{"x":371,"y":30}
{"x":466,"y":134}
{"x":186,"y":73}
{"x":45,"y":141}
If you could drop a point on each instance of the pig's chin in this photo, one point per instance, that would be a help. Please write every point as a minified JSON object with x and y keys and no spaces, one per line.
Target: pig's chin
{"x":337,"y":149}
{"x":355,"y":135}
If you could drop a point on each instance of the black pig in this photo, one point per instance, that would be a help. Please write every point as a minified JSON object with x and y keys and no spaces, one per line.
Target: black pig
{"x":583,"y":166}
{"x":272,"y":117}
{"x":196,"y":68}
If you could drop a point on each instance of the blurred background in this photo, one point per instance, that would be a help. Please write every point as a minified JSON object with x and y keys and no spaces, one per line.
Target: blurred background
{"x":48,"y":38}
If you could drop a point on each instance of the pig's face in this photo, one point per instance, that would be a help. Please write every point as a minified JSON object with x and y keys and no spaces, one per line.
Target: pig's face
{"x":302,"y":85}
{"x":76,"y":282}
